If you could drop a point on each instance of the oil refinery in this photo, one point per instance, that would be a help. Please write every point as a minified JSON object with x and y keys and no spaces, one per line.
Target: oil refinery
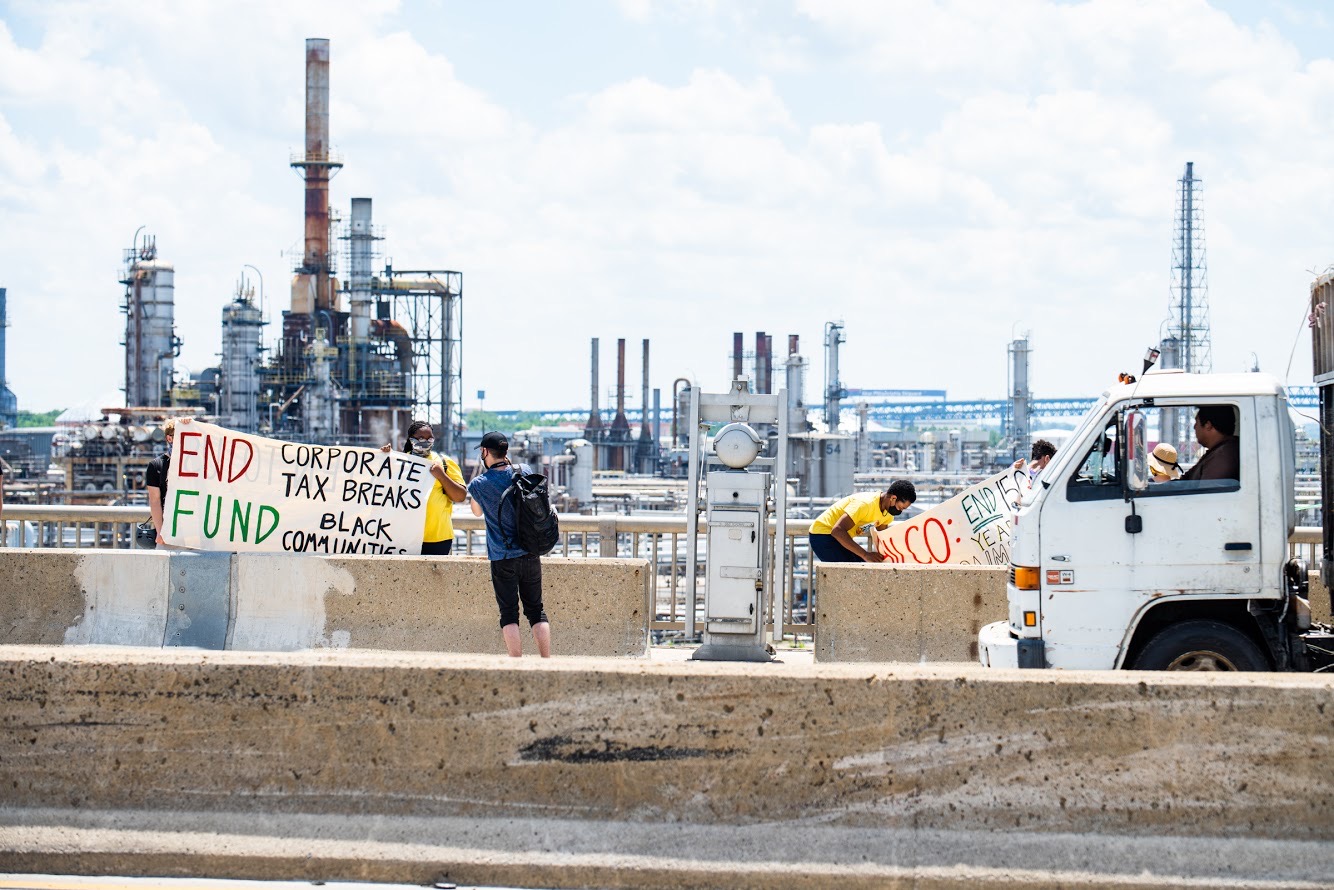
{"x":355,"y":358}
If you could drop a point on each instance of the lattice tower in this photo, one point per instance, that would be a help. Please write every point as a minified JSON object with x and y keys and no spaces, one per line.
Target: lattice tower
{"x":1190,"y":280}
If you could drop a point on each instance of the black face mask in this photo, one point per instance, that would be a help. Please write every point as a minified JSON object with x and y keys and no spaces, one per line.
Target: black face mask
{"x":893,"y":511}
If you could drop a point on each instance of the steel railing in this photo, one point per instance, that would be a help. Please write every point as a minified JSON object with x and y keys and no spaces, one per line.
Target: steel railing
{"x":659,"y":539}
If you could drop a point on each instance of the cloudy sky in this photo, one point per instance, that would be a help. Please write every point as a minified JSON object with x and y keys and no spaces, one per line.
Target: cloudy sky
{"x":941,"y":176}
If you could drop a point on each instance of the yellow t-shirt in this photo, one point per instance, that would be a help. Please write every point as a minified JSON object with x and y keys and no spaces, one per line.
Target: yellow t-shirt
{"x":864,"y":509}
{"x":439,"y":508}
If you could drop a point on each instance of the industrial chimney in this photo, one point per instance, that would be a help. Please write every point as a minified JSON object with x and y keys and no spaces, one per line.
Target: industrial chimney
{"x":593,"y":429}
{"x":313,"y":288}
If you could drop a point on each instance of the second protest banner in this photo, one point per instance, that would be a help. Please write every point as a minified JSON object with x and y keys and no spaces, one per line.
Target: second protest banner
{"x":236,"y":492}
{"x":971,"y":528}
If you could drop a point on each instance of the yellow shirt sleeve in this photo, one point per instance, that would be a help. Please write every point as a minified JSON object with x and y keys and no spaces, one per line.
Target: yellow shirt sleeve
{"x":452,"y":471}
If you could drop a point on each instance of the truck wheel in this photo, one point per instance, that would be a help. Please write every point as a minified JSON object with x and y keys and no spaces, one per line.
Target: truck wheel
{"x":1200,"y":646}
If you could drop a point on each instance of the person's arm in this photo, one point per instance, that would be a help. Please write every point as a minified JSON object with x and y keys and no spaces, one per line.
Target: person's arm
{"x":155,"y":510}
{"x":451,"y":480}
{"x":841,"y":533}
{"x":474,"y":503}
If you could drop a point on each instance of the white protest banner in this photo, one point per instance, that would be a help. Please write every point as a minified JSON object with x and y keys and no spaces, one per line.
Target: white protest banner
{"x":971,"y":528}
{"x":236,"y":492}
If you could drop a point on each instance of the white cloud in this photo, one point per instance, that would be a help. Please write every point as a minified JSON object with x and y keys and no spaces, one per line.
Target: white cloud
{"x":957,"y":172}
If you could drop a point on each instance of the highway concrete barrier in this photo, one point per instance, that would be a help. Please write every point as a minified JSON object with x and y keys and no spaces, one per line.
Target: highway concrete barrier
{"x":413,"y":767}
{"x":1319,"y":599}
{"x":893,"y":613}
{"x":882,"y":613}
{"x":282,"y":602}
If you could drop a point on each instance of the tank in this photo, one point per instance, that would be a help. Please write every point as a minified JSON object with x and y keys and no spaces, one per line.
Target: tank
{"x":242,"y":345}
{"x":150,"y":326}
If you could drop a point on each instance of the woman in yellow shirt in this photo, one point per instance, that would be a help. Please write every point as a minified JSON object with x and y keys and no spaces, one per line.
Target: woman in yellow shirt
{"x":438,"y":536}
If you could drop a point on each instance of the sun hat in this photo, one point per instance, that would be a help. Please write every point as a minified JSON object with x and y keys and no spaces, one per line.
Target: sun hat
{"x":1163,"y":461}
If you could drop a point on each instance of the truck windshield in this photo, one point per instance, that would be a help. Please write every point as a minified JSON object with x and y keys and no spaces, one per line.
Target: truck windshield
{"x":1066,"y":453}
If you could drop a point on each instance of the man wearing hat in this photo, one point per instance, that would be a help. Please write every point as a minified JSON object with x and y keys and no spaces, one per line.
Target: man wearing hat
{"x":516,"y":574}
{"x":1163,"y":463}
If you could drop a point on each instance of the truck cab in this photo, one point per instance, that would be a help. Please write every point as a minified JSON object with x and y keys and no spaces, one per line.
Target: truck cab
{"x":1110,"y":569}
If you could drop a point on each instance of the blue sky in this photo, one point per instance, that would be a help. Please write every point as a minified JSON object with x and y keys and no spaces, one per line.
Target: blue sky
{"x":940,"y":176}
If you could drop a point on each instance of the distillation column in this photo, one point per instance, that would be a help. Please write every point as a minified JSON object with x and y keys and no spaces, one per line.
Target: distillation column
{"x":151,"y":345}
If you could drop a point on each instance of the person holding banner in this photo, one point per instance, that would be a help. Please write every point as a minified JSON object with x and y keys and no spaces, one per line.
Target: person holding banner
{"x":438,"y":536}
{"x":831,"y":533}
{"x":155,"y":479}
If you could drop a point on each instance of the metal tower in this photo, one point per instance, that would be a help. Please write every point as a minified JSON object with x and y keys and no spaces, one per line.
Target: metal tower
{"x":833,"y":387}
{"x":1190,"y":286}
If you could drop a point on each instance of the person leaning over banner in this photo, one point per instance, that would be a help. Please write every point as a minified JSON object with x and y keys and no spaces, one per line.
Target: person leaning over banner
{"x":1041,"y":455}
{"x":516,"y":574}
{"x":831,"y":533}
{"x":438,"y":535}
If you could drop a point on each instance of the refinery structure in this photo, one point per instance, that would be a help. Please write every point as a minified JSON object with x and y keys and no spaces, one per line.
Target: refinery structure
{"x":362,"y":349}
{"x":356,"y":358}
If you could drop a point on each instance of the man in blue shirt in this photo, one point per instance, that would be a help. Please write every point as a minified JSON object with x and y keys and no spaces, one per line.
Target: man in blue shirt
{"x":516,"y":574}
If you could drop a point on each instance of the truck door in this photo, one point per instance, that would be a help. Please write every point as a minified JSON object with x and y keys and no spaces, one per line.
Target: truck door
{"x":1095,"y":575}
{"x":1202,"y":536}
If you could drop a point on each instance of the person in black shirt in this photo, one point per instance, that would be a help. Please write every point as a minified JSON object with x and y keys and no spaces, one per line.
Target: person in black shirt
{"x":155,"y":480}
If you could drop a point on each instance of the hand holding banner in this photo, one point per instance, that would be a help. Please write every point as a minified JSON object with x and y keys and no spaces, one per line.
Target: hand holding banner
{"x":971,"y":528}
{"x":237,"y":492}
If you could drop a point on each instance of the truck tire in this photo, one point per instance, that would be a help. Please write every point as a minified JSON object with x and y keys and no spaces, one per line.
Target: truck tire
{"x":1200,"y":645}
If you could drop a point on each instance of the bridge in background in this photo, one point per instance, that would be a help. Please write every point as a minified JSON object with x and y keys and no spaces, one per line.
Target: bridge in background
{"x":926,"y":405}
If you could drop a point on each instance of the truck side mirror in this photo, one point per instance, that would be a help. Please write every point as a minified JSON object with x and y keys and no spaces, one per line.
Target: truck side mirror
{"x":1137,"y":453}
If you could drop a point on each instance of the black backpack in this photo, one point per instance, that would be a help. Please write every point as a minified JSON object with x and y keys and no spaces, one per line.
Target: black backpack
{"x":536,"y":528}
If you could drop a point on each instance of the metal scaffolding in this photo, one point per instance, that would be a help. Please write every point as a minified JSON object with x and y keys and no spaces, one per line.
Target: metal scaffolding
{"x":1190,"y":286}
{"x":428,"y":303}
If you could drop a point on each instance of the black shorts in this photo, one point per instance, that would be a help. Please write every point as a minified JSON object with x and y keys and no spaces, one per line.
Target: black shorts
{"x":514,"y":580}
{"x":827,"y":549}
{"x":437,"y":548}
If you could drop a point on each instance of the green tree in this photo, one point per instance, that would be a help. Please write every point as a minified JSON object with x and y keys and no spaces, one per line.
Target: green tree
{"x":32,"y":418}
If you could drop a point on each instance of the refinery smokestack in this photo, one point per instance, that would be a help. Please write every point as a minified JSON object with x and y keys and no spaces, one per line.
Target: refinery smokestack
{"x":761,"y":344}
{"x":313,"y":289}
{"x":620,"y":424}
{"x":644,"y":430}
{"x":594,"y":426}
{"x":646,"y":450}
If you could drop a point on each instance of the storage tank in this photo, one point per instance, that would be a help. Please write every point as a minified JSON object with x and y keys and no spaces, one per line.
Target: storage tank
{"x":150,"y":326}
{"x":242,"y":350}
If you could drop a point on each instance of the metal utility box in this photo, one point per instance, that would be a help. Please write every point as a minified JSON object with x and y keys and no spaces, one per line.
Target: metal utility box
{"x":737,"y":520}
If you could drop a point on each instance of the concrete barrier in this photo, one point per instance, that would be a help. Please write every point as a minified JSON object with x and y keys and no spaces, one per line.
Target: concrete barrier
{"x":924,"y":613}
{"x":889,"y":613}
{"x":281,"y":602}
{"x":411,"y":767}
{"x":1319,"y":598}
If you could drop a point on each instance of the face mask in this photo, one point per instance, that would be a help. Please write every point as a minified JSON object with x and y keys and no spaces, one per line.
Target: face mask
{"x":168,"y":449}
{"x":422,"y":447}
{"x":894,"y":511}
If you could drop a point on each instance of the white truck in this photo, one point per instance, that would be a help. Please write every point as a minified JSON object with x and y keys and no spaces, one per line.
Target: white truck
{"x":1112,"y":570}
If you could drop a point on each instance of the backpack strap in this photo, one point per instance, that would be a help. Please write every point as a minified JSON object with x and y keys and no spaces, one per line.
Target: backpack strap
{"x":508,"y":496}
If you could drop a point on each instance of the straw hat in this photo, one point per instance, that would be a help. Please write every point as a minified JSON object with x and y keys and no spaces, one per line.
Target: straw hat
{"x":1163,"y":461}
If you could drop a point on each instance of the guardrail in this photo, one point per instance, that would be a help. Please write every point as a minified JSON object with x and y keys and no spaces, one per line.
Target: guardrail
{"x":659,"y":539}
